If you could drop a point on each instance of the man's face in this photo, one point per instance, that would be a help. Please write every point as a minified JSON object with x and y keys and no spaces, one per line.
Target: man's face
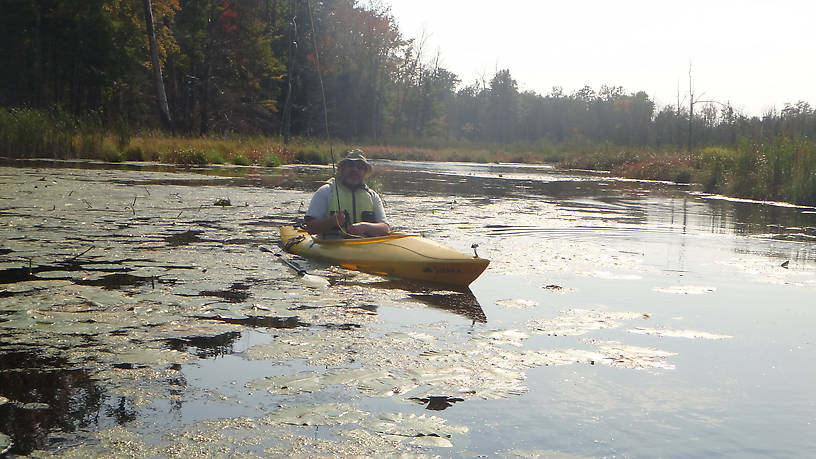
{"x":353,"y":173}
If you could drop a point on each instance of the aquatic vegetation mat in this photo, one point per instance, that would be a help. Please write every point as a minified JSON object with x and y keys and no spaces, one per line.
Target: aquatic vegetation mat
{"x":148,"y":321}
{"x":581,"y":321}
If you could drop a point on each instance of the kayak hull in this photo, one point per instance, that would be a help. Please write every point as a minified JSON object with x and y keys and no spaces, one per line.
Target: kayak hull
{"x":407,"y":256}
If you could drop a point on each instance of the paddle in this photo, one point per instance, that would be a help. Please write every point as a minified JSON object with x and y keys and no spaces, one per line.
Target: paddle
{"x":308,"y":278}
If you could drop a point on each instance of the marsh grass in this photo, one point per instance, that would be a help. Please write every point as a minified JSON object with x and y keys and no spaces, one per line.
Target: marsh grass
{"x":30,"y":133}
{"x":678,"y":168}
{"x":782,"y":169}
{"x":27,"y":133}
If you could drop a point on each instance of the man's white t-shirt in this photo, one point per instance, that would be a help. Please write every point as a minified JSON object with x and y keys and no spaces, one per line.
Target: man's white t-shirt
{"x":319,"y":207}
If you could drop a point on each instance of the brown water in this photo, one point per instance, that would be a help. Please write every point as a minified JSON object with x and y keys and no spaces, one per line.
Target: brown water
{"x":617,"y":318}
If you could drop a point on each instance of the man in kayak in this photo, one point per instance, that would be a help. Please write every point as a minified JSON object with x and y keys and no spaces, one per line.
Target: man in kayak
{"x":361,"y":210}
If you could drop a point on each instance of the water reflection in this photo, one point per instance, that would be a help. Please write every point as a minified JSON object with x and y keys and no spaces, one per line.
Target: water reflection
{"x":461,"y":301}
{"x":44,"y":394}
{"x":206,"y":346}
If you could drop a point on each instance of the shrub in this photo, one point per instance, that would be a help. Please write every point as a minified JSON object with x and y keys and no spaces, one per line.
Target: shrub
{"x":185,"y":157}
{"x":133,"y":154}
{"x":271,"y":161}
{"x":240,"y":160}
{"x":310,"y":157}
{"x":214,"y":157}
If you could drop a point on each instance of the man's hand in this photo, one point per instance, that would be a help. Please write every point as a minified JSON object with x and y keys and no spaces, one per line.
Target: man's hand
{"x":315,"y":226}
{"x":368,"y":229}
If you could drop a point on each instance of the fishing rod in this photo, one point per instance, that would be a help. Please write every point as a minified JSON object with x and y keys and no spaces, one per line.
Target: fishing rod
{"x":326,"y":119}
{"x":337,"y":195}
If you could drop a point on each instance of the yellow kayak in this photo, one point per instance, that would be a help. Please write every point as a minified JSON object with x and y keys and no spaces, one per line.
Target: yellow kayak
{"x":407,"y":256}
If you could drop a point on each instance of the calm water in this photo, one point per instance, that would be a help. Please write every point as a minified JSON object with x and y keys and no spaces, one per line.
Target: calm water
{"x":617,"y":319}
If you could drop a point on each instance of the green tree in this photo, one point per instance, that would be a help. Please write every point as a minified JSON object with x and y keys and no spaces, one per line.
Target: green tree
{"x":502,"y":107}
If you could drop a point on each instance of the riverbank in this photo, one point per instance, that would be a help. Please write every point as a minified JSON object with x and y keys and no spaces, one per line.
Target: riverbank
{"x":778,"y":169}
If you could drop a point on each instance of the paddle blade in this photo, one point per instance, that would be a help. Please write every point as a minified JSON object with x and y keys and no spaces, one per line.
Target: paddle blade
{"x":315,"y":281}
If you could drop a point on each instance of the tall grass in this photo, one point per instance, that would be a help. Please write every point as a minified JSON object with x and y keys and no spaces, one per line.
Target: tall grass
{"x":238,"y":150}
{"x":782,"y":169}
{"x":27,"y":133}
{"x":30,"y":133}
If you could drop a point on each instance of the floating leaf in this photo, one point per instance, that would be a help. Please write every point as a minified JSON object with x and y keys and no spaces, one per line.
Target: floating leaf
{"x":517,"y":303}
{"x":432,"y":440}
{"x":512,"y":337}
{"x":289,"y":384}
{"x":580,"y":321}
{"x":412,"y":425}
{"x":320,"y":414}
{"x":153,"y":357}
{"x":620,"y":355}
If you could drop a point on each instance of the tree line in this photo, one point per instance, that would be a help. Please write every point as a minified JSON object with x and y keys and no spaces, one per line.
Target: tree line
{"x":267,"y":67}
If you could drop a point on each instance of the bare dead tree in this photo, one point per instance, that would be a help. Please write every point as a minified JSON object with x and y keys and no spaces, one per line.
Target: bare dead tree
{"x":692,"y":102}
{"x":161,"y":95}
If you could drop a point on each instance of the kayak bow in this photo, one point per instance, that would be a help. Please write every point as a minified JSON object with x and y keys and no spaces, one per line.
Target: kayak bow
{"x":403,"y":255}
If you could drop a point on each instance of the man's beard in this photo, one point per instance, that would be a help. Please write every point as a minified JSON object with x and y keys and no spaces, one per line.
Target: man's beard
{"x":351,"y":183}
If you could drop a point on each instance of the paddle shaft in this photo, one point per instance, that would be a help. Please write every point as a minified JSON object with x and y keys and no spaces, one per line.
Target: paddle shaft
{"x":300,"y":271}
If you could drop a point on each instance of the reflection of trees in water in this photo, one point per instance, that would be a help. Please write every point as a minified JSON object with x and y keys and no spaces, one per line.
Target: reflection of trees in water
{"x":774,"y":223}
{"x":206,"y":346}
{"x":44,"y":397}
{"x":123,"y":412}
{"x":751,"y":218}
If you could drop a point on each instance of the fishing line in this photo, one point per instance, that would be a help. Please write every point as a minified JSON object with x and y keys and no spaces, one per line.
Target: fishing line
{"x":326,"y":115}
{"x":319,"y":72}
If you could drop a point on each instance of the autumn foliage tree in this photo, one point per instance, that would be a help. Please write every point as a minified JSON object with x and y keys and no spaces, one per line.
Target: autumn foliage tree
{"x":251,"y":67}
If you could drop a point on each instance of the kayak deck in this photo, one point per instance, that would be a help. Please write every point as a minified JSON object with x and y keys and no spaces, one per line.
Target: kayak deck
{"x":403,"y":255}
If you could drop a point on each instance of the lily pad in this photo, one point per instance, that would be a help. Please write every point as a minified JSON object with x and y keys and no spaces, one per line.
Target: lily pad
{"x":635,"y":357}
{"x":322,"y":414}
{"x":412,"y":425}
{"x":153,"y":357}
{"x":581,"y":321}
{"x":289,"y":384}
{"x":517,"y":303}
{"x":512,"y":337}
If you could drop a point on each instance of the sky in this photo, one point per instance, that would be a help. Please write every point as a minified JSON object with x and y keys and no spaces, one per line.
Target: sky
{"x":756,"y":55}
